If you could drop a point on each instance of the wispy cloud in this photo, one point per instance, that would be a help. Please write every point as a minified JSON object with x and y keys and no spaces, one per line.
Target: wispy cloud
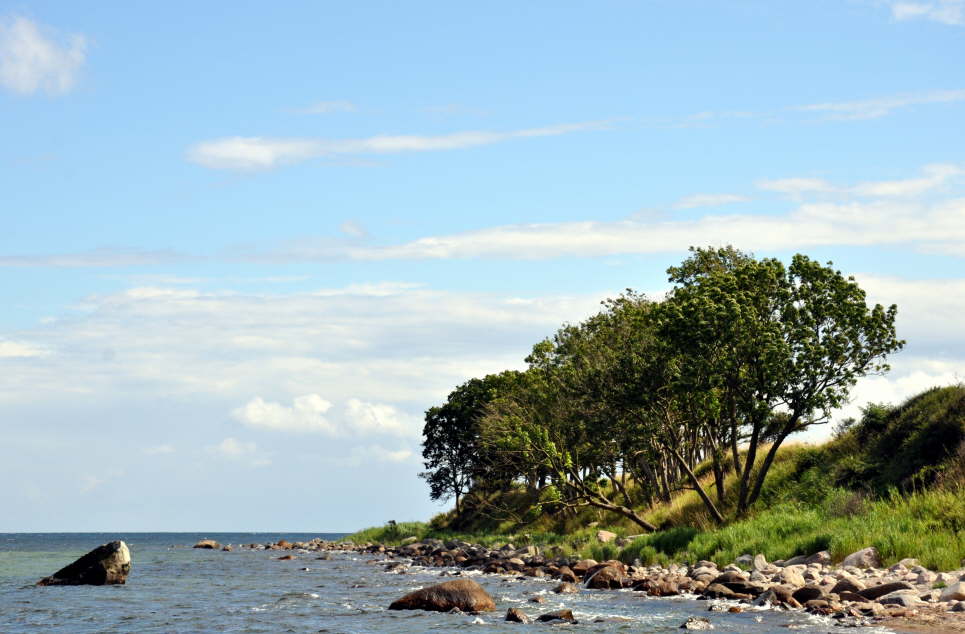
{"x":796,"y":186}
{"x":880,"y":106}
{"x":33,"y":61}
{"x":866,"y":214}
{"x":95,"y":258}
{"x":932,"y":177}
{"x":327,"y":107}
{"x":709,"y":200}
{"x":258,"y":153}
{"x":951,"y":12}
{"x":20,"y":349}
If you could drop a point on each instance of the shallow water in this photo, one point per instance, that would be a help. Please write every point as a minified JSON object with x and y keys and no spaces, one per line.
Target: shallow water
{"x":174,"y":588}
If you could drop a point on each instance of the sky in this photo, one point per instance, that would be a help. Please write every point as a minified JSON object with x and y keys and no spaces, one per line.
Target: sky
{"x":245,"y":246}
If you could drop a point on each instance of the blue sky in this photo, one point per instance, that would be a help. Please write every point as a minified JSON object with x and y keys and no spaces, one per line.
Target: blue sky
{"x":245,"y":247}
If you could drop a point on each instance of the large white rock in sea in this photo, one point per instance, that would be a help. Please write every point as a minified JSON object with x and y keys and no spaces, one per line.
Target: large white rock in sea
{"x":105,"y":565}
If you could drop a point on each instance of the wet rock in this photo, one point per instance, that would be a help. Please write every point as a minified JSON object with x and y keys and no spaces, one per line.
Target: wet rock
{"x":875,"y":592}
{"x":227,"y":548}
{"x":465,"y":594}
{"x":108,"y":564}
{"x":729,"y":576}
{"x":582,"y":566}
{"x":864,"y":558}
{"x":567,"y":574}
{"x":903,"y":598}
{"x":566,"y":588}
{"x":558,"y":615}
{"x":808,"y":593}
{"x":287,"y":558}
{"x":848,"y":584}
{"x":697,"y":623}
{"x":210,"y":544}
{"x":720,"y":591}
{"x":537,"y":599}
{"x":515,"y":615}
{"x":745,"y":587}
{"x":605,"y":577}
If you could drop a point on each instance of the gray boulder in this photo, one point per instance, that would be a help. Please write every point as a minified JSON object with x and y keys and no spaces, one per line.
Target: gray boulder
{"x":108,"y":564}
{"x":864,"y":558}
{"x":954,"y":592}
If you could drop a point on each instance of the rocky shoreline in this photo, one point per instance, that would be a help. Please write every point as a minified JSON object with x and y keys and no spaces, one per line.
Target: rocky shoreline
{"x":859,"y":591}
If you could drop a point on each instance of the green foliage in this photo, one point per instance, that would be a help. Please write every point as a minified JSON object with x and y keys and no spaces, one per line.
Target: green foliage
{"x":391,"y":533}
{"x":455,"y":460}
{"x":906,"y":446}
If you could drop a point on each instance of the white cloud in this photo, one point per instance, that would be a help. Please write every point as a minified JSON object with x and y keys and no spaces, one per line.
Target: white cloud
{"x":31,"y":61}
{"x":328,"y":107}
{"x":375,"y":418}
{"x":951,"y":12}
{"x":709,"y":200}
{"x":306,"y":414}
{"x":256,"y":153}
{"x":880,"y":106}
{"x":860,"y":223}
{"x":19,"y":349}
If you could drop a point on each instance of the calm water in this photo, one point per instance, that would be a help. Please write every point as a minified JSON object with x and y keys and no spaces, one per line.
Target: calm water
{"x":174,"y":588}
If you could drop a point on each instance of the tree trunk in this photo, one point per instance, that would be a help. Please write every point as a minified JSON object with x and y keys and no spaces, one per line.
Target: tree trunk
{"x":700,"y":491}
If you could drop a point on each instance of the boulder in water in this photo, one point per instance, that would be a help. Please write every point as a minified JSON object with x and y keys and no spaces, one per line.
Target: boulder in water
{"x":465,"y":594}
{"x":210,"y":544}
{"x":105,"y":565}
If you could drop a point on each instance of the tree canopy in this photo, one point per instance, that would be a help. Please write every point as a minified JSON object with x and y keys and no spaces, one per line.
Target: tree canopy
{"x":739,"y":355}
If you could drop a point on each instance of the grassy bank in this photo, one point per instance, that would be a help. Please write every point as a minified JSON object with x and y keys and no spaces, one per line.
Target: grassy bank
{"x":893,"y":480}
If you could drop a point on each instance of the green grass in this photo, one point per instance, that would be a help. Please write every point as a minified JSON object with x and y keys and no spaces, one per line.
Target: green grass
{"x":929,"y":526}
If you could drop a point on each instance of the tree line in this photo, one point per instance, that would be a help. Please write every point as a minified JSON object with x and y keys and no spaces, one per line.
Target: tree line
{"x":618,"y":411}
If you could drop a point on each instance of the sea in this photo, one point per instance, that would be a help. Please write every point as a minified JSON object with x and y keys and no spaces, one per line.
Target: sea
{"x":175,"y":588}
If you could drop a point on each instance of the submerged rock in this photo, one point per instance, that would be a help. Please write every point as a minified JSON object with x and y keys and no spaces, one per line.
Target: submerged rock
{"x":558,"y":615}
{"x":697,"y":623}
{"x":108,"y":564}
{"x":515,"y":615}
{"x":465,"y":594}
